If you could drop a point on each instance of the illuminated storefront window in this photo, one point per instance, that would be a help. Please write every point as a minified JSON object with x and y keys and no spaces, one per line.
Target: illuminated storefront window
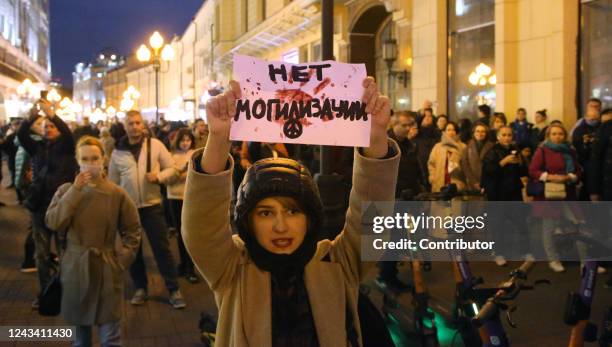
{"x":471,"y":65}
{"x":596,"y":51}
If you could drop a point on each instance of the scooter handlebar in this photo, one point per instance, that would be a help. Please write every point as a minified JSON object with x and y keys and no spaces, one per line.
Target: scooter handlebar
{"x":492,"y":307}
{"x":486,"y":313}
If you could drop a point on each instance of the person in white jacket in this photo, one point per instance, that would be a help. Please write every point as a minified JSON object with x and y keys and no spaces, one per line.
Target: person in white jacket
{"x":139,"y":164}
{"x":182,"y":148}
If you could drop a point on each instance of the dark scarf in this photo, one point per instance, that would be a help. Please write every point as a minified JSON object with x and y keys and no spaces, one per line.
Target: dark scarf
{"x":292,"y":320}
{"x":281,"y":263}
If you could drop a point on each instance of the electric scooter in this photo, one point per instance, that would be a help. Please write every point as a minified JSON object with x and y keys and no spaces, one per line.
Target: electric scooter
{"x":578,"y":311}
{"x":467,"y":297}
{"x":488,"y":319}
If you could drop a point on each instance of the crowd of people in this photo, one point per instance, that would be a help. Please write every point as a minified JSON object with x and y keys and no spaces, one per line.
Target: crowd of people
{"x":137,"y":173}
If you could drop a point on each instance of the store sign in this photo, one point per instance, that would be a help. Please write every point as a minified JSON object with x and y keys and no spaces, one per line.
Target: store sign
{"x":315,"y":103}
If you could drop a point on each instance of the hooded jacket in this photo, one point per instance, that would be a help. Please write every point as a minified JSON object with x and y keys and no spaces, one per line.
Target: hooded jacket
{"x":130,"y":174}
{"x":243,"y":291}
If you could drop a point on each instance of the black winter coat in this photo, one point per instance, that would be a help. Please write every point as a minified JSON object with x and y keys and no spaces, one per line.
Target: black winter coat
{"x":53,"y":162}
{"x":502,"y":183}
{"x":425,"y":141}
{"x":599,"y":173}
{"x":583,"y":149}
{"x":409,"y":175}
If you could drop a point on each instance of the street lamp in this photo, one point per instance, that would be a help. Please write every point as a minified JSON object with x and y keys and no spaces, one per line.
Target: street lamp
{"x":53,"y":96}
{"x":156,"y":53}
{"x":389,"y":55}
{"x":111,"y":111}
{"x":130,"y":95}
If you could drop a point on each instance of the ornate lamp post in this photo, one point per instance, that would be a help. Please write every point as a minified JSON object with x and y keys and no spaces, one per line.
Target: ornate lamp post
{"x":389,"y":55}
{"x":157,"y":53}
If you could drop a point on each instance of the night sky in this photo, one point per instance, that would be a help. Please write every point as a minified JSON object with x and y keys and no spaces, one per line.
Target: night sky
{"x":81,"y":28}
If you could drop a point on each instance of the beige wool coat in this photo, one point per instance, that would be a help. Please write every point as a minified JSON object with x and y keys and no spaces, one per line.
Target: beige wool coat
{"x":437,"y":161}
{"x":243,"y":291}
{"x":92,"y":270}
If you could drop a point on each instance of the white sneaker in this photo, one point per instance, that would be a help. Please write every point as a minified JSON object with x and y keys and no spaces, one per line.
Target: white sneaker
{"x":556,"y":266}
{"x":139,"y":298}
{"x":500,"y":260}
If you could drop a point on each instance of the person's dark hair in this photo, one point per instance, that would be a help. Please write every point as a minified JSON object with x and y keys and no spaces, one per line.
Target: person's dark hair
{"x":606,"y":111}
{"x":499,"y":115}
{"x":182,"y":132}
{"x":542,"y":113}
{"x":594,"y":100}
{"x":453,"y":124}
{"x":429,"y":109}
{"x":485,"y":109}
{"x":556,"y":122}
{"x":465,"y":129}
{"x":442,"y":116}
{"x":405,"y":114}
{"x":480,"y":124}
{"x":521,"y":109}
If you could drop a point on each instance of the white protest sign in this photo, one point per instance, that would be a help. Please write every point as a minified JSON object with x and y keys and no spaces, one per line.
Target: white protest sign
{"x":311,"y":103}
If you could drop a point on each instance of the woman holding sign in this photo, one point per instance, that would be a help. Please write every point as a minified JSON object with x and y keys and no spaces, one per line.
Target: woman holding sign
{"x":274,"y":284}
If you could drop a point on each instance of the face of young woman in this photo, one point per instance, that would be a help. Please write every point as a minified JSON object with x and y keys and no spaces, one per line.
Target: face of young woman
{"x":498,"y":123}
{"x":50,"y":130}
{"x":539,"y":118}
{"x":526,"y":152}
{"x":185,"y":143}
{"x":90,"y":155}
{"x":557,"y":135}
{"x":504,"y":136}
{"x":451,"y":132}
{"x":278,"y":228}
{"x":441,"y":123}
{"x":480,"y":133}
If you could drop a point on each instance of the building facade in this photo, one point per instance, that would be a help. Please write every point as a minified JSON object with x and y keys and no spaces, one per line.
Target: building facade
{"x":536,"y":54}
{"x":24,"y":49}
{"x":88,"y":80}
